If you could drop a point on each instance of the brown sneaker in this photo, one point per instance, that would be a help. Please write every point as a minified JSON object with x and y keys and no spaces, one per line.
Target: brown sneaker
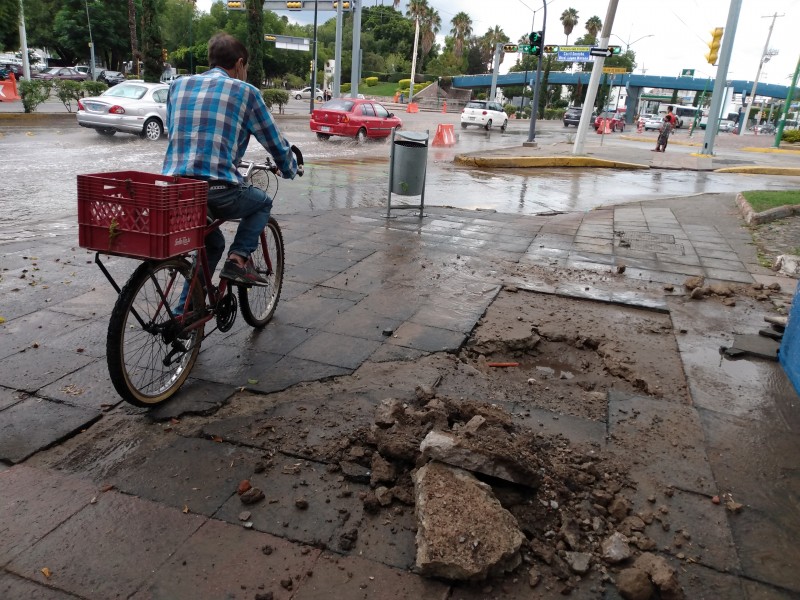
{"x":246,"y":275}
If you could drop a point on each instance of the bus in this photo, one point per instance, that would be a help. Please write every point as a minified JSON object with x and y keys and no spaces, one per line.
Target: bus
{"x":686,"y":115}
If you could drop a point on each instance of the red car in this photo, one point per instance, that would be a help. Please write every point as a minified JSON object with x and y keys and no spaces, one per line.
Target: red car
{"x":61,"y":73}
{"x":616,"y":121}
{"x":353,"y":117}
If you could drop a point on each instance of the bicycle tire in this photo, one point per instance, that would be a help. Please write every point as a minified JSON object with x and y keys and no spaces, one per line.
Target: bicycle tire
{"x":258,"y":303}
{"x":135,"y":355}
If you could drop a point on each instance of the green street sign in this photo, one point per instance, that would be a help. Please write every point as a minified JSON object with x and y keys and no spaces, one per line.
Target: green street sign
{"x":525,"y":48}
{"x":687,"y":73}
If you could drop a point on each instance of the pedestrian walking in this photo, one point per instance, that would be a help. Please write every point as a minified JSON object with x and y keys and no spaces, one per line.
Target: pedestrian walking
{"x":666,"y":128}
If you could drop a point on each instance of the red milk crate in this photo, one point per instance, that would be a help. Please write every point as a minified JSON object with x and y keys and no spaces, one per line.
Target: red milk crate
{"x":141,"y":215}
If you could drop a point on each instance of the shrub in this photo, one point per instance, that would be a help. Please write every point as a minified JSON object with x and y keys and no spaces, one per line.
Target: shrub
{"x":275,"y":96}
{"x":33,"y":93}
{"x":371,"y":81}
{"x":481,"y":96}
{"x":344,"y":87}
{"x":404,"y":83}
{"x":67,"y":91}
{"x":201,"y":69}
{"x":510,"y":109}
{"x":94,"y":88}
{"x":554,"y":113}
{"x":791,"y":136}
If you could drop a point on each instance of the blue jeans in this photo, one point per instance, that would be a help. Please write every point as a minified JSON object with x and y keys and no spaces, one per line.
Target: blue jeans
{"x":248,"y":203}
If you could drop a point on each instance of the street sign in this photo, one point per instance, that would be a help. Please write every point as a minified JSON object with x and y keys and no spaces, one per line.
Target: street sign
{"x":615,"y":70}
{"x":606,"y":52}
{"x":687,"y":73}
{"x":567,"y":56}
{"x":288,"y":42}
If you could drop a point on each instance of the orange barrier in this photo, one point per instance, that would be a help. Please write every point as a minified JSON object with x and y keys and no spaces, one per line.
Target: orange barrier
{"x":412,"y":107}
{"x":639,"y":126}
{"x":445,"y":135}
{"x":396,"y":97}
{"x":444,"y":106}
{"x":8,"y":89}
{"x":604,"y":128}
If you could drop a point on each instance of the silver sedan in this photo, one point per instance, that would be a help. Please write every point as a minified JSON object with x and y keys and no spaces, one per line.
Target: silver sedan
{"x":131,"y":107}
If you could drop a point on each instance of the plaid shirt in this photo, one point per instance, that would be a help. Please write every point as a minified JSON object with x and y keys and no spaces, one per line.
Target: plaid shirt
{"x":210,"y":119}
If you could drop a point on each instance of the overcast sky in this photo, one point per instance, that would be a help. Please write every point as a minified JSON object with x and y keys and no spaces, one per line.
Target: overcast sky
{"x":679,"y":30}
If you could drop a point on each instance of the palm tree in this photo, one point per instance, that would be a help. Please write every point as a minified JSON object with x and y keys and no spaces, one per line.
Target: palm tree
{"x":569,"y":18}
{"x":593,"y":26}
{"x":430,"y":24}
{"x":488,"y":43}
{"x":462,"y":29}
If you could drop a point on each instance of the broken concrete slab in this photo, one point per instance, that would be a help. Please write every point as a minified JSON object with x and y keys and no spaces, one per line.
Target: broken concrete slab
{"x":463,"y":533}
{"x":753,"y":345}
{"x":495,"y":455}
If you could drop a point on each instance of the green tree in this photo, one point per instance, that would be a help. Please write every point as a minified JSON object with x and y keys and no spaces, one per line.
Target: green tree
{"x":151,"y":41}
{"x":462,"y":29}
{"x":135,"y":54}
{"x":9,"y":18}
{"x":487,"y":44}
{"x":569,"y":18}
{"x":255,"y":42}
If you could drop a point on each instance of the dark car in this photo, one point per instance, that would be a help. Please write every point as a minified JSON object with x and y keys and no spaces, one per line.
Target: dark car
{"x":572,"y":116}
{"x":111,"y":78}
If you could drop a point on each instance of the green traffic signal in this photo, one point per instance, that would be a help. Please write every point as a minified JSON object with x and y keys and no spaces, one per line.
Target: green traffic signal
{"x":615,"y":50}
{"x":537,"y":39}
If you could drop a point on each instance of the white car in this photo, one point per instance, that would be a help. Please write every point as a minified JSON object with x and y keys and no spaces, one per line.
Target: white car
{"x":130,"y":107}
{"x":653,"y":122}
{"x":726,"y":125}
{"x":484,"y":114}
{"x":305,"y":94}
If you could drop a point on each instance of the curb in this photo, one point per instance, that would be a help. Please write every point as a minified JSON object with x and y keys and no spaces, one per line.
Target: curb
{"x":772,"y":150}
{"x":35,"y":119}
{"x":650,"y":140}
{"x":543,"y":161}
{"x":751,"y":217}
{"x":756,"y":170}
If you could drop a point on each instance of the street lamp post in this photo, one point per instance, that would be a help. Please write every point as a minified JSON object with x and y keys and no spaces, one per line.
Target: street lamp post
{"x":628,"y":43}
{"x":91,"y":44}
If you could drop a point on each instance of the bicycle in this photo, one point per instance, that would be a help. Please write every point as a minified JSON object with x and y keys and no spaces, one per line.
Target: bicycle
{"x":153,"y":340}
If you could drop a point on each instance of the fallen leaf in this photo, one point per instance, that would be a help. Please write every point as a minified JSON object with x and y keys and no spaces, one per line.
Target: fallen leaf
{"x":216,"y":438}
{"x":185,"y":509}
{"x":46,"y":572}
{"x":252,"y":381}
{"x":2,"y":320}
{"x":107,"y":488}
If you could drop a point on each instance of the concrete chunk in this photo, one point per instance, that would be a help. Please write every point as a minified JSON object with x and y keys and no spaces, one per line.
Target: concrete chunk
{"x":463,"y":533}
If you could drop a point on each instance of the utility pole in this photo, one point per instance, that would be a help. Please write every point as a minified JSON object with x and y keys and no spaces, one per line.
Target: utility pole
{"x":355,"y":71}
{"x":314,"y":63}
{"x":91,"y":44}
{"x":789,"y":96}
{"x":414,"y":60}
{"x":761,"y":61}
{"x":535,"y":106}
{"x":718,"y":93}
{"x":498,"y":48}
{"x":23,"y":42}
{"x":594,"y":80}
{"x":337,"y":74}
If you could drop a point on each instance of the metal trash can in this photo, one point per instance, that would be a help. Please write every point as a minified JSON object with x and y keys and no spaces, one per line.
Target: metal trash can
{"x":408,"y":167}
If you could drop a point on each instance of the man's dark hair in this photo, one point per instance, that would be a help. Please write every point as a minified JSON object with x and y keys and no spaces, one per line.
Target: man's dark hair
{"x":668,"y":108}
{"x":224,"y":50}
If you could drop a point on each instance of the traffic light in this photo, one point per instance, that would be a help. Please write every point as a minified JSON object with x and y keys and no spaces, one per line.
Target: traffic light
{"x":537,"y":39}
{"x":551,"y":49}
{"x":345,"y":5}
{"x":236,"y":5}
{"x":713,"y":45}
{"x":164,"y":54}
{"x":615,"y":50}
{"x":294,"y":5}
{"x":510,"y":48}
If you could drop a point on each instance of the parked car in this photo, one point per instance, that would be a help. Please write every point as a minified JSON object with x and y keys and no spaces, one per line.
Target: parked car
{"x":726,"y":125}
{"x":111,"y":78}
{"x":484,"y":114}
{"x":572,"y":116}
{"x":305,"y":94}
{"x":653,"y":122}
{"x":85,"y":69}
{"x":353,"y":117}
{"x":61,"y":73}
{"x":616,"y":121}
{"x":130,"y":107}
{"x":765,"y":128}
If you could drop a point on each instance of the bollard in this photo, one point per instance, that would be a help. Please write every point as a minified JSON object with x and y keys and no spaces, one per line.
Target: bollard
{"x":444,"y":106}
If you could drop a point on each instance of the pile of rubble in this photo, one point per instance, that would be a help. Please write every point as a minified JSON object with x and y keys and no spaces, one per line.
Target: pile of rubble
{"x":492,"y":498}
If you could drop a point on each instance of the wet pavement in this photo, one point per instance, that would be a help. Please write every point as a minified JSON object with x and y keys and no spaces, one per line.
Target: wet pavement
{"x":147,"y":499}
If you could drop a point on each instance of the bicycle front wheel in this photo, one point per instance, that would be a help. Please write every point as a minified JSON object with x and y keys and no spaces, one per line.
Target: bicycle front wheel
{"x":258,"y":303}
{"x":149,"y":353}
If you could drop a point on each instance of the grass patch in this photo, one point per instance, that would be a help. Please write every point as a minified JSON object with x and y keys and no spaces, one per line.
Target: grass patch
{"x":382,"y":89}
{"x":762,"y":200}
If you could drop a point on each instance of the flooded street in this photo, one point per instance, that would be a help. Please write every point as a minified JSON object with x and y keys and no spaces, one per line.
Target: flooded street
{"x":40,"y":166}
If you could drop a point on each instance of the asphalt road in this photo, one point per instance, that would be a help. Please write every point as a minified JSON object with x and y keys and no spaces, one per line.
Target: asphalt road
{"x":40,"y":165}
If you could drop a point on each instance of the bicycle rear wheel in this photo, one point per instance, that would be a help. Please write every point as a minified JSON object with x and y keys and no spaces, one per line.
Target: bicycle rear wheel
{"x":258,"y":303}
{"x":149,"y":354}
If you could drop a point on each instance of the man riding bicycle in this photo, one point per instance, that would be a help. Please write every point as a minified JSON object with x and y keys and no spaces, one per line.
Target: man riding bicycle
{"x":210,"y":118}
